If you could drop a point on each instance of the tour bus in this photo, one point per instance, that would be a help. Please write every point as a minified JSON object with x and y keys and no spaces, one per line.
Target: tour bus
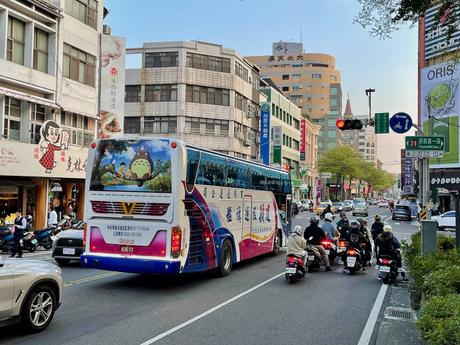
{"x":161,"y":206}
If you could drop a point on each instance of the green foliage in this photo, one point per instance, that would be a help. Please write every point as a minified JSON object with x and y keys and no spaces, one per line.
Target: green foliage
{"x":160,"y":184}
{"x":440,"y":320}
{"x":443,"y":282}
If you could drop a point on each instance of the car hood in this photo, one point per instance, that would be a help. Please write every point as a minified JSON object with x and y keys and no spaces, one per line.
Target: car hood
{"x":401,"y":211}
{"x":73,"y":234}
{"x":435,"y":217}
{"x":29,"y":265}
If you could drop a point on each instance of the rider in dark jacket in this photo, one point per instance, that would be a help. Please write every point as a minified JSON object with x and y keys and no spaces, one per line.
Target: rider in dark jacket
{"x":317,"y":234}
{"x":326,"y":210}
{"x":343,"y":225}
{"x":387,"y":244}
{"x":377,"y":227}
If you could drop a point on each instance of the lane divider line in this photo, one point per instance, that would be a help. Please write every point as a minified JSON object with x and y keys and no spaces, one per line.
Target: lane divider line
{"x":209,"y":311}
{"x":373,"y":316}
{"x":92,"y":278}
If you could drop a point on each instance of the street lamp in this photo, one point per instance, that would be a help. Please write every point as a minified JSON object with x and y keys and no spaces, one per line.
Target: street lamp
{"x":369,"y":94}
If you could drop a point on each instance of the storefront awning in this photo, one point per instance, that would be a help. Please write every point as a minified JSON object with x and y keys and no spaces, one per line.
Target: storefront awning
{"x":28,"y":98}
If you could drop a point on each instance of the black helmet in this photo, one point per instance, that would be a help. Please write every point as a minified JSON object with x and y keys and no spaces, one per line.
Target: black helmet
{"x":314,"y":220}
{"x":355,"y":224}
{"x":377,"y":217}
{"x":342,"y":215}
{"x":345,"y":219}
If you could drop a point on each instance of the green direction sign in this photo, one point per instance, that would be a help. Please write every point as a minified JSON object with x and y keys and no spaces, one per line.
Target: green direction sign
{"x":425,"y":143}
{"x":382,"y":123}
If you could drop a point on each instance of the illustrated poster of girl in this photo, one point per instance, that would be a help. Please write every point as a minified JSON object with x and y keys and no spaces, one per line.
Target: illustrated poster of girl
{"x":53,"y":138}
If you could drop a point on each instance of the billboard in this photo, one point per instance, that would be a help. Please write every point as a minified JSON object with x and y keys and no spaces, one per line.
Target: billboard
{"x":440,"y":97}
{"x":265,"y":133}
{"x":302,"y":139}
{"x":112,"y":102}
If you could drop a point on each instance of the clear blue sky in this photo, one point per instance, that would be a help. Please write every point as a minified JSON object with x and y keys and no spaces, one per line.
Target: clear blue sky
{"x":250,"y":27}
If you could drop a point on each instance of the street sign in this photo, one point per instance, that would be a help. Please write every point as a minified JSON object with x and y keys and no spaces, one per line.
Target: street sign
{"x":401,"y":123}
{"x":382,"y":123}
{"x":408,"y":190}
{"x":424,"y":143}
{"x":325,"y":175}
{"x":425,"y":154}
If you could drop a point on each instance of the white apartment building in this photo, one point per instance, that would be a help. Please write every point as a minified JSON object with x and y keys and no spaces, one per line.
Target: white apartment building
{"x":48,"y":71}
{"x":367,"y":145}
{"x":202,"y":93}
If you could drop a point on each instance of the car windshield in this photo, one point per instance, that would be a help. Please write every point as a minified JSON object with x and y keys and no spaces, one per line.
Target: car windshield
{"x":337,"y":204}
{"x":401,"y":207}
{"x":360,"y":205}
{"x":323,"y":205}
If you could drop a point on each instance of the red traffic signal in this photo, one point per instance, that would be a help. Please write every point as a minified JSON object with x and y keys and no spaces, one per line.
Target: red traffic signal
{"x":345,"y":125}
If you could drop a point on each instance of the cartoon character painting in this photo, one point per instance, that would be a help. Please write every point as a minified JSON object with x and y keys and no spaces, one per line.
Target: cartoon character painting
{"x":141,"y":167}
{"x":53,"y":138}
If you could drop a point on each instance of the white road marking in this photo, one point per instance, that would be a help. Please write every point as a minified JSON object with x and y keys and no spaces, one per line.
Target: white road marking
{"x":209,"y":311}
{"x":92,"y":278}
{"x":373,"y":316}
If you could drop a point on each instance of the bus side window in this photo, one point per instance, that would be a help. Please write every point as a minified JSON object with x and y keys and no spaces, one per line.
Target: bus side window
{"x":212,"y":170}
{"x":193,"y":160}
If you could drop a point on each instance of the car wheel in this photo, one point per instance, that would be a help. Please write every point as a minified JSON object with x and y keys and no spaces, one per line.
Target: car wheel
{"x":38,"y":309}
{"x":62,"y":262}
{"x":226,"y":259}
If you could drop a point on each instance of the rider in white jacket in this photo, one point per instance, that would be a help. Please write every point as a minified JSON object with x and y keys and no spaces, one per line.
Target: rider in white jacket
{"x":297,"y":244}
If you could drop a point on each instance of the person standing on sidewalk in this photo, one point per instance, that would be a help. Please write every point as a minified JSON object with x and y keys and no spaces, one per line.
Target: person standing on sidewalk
{"x":20,"y":225}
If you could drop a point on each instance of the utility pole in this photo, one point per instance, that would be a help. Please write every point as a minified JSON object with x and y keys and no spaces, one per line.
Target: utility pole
{"x":369,"y":94}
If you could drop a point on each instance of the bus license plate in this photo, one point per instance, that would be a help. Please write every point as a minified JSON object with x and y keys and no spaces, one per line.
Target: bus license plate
{"x":127,"y":249}
{"x":292,"y":270}
{"x":351,"y":261}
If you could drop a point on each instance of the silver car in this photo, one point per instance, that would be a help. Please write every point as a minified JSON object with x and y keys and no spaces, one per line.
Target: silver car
{"x":360,"y":209}
{"x":30,"y":292}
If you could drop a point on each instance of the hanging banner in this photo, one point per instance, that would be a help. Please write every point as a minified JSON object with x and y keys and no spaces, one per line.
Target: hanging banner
{"x":302,"y":139}
{"x":265,"y":133}
{"x":113,"y":51}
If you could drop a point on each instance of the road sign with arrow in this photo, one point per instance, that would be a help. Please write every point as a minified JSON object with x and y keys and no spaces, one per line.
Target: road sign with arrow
{"x":401,"y":123}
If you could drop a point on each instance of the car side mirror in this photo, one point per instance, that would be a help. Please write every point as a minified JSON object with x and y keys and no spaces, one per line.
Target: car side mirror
{"x":1,"y":262}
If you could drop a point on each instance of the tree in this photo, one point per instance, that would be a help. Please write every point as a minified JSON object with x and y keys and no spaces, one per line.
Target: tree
{"x":383,"y":17}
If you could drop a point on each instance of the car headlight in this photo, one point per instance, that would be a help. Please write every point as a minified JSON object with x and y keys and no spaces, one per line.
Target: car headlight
{"x":58,"y":270}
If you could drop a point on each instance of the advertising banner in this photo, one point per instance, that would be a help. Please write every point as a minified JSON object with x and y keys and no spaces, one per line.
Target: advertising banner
{"x":265,"y":133}
{"x":112,"y":104}
{"x":277,"y":143}
{"x":302,"y":139}
{"x":440,"y":97}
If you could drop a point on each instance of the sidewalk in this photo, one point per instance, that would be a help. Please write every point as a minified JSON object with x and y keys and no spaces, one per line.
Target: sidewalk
{"x":397,"y":319}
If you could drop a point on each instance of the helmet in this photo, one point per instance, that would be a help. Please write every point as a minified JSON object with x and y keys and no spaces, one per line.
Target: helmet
{"x":387,"y":228}
{"x":298,"y":230}
{"x":345,"y":219}
{"x":328,"y":216}
{"x":355,"y":224}
{"x":377,"y":217}
{"x":314,"y":220}
{"x":342,"y":215}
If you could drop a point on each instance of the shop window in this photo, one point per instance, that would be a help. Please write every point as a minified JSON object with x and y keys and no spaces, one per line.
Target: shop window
{"x":12,"y":119}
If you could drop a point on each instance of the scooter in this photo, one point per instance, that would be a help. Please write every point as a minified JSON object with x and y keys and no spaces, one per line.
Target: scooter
{"x":295,"y":269}
{"x":29,"y":242}
{"x":313,"y":259}
{"x":7,"y":239}
{"x":354,"y":260}
{"x":387,"y":269}
{"x":330,"y":247}
{"x":43,"y":237}
{"x":342,"y":249}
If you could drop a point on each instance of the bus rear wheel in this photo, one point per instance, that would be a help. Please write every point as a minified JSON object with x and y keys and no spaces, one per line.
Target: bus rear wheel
{"x":226,"y":259}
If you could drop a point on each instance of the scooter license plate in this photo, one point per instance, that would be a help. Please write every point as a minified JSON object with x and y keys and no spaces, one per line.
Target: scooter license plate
{"x":384,"y":269}
{"x":328,"y":251}
{"x":291,"y":270}
{"x":351,"y":261}
{"x":34,"y":242}
{"x":311,"y":257}
{"x":342,"y":249}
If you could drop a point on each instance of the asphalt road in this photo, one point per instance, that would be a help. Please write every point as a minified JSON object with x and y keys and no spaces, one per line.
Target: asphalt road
{"x":253,"y":305}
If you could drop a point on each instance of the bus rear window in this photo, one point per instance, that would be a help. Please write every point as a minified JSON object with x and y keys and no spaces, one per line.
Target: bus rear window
{"x":132,"y":166}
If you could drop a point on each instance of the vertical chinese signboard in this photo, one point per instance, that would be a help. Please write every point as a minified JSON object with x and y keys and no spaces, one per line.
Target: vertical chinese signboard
{"x":409,"y":167}
{"x":265,"y":133}
{"x":302,"y":139}
{"x":112,"y":92}
{"x":277,"y":143}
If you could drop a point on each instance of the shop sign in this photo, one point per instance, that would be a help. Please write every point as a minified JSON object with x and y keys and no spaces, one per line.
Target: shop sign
{"x":113,"y":53}
{"x":409,"y":167}
{"x":265,"y":133}
{"x":302,"y":139}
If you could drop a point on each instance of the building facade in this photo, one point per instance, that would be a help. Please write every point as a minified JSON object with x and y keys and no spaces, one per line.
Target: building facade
{"x":285,"y":120}
{"x":201,"y":93}
{"x":48,"y":72}
{"x":309,"y":166}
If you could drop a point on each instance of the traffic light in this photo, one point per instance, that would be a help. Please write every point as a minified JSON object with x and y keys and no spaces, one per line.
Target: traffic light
{"x":346,"y":125}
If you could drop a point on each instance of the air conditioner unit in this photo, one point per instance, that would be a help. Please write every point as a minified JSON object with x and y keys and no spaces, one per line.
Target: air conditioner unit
{"x":249,"y":114}
{"x":247,"y":142}
{"x":257,"y":139}
{"x":251,"y":135}
{"x":239,"y":135}
{"x":299,"y":100}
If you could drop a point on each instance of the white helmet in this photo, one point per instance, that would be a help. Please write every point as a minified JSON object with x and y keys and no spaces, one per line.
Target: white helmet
{"x":387,"y":228}
{"x":298,"y":230}
{"x":328,"y":216}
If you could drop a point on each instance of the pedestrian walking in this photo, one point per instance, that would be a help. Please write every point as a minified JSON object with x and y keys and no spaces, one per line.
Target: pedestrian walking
{"x":20,"y":225}
{"x":52,"y":217}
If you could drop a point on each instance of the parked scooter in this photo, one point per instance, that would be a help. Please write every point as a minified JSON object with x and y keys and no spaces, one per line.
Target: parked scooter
{"x":7,"y":239}
{"x":295,"y":269}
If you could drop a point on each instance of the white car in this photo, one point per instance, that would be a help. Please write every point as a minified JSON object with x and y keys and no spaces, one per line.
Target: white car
{"x":30,"y":292}
{"x":445,"y":220}
{"x":382,"y":203}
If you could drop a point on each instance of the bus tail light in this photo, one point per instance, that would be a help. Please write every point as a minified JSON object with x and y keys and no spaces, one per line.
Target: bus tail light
{"x":84,"y":234}
{"x":176,"y":240}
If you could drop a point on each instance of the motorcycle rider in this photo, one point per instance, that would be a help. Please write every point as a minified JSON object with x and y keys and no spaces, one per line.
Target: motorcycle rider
{"x":329,"y":228}
{"x":343,"y":224}
{"x":326,"y":211}
{"x":367,"y":241}
{"x":20,"y":225}
{"x":317,"y":234}
{"x":377,"y":227}
{"x":387,"y":244}
{"x":297,"y":244}
{"x":355,"y":237}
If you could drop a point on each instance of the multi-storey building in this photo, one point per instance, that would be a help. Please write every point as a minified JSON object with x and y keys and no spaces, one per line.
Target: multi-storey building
{"x":368,"y":143}
{"x":202,"y":93}
{"x":309,"y":166}
{"x":284,"y":117}
{"x":309,"y":80}
{"x":48,"y":72}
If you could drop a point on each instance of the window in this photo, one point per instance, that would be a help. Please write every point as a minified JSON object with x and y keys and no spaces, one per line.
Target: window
{"x":285,"y":88}
{"x":207,"y":95}
{"x":37,"y":118}
{"x":15,"y":41}
{"x":132,"y":93}
{"x":257,"y":178}
{"x":83,"y":10}
{"x":285,"y":77}
{"x":296,"y":124}
{"x":160,"y":125}
{"x":12,"y":118}
{"x":316,"y":76}
{"x":241,"y":102}
{"x":132,"y":125}
{"x":41,"y":51}
{"x":156,"y":60}
{"x":331,"y":122}
{"x":212,"y":170}
{"x":79,"y":65}
{"x":193,"y":161}
{"x":237,"y":173}
{"x":297,"y":65}
{"x":81,"y":128}
{"x":296,"y":87}
{"x":333,"y":91}
{"x":207,"y":62}
{"x":333,"y":78}
{"x":161,"y":93}
{"x":296,"y":76}
{"x":203,"y":126}
{"x":295,"y":145}
{"x":241,"y":72}
{"x":331,"y":134}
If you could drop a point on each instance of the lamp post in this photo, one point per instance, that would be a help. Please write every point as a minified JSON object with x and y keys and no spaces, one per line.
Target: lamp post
{"x":369,"y":94}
